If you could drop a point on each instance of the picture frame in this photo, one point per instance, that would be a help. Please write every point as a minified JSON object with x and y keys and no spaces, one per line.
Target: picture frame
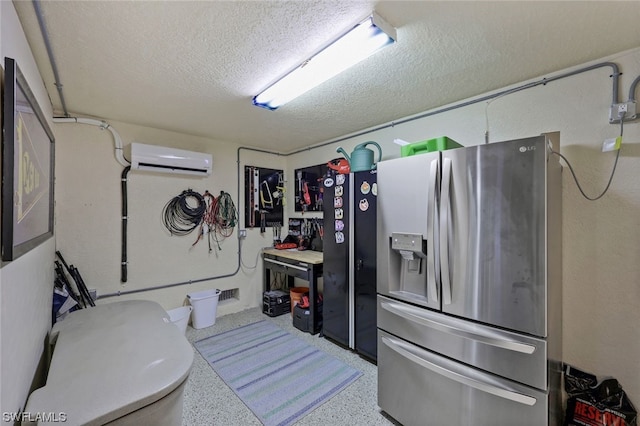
{"x":28,"y":149}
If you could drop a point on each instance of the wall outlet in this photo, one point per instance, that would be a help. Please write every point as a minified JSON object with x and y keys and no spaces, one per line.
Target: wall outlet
{"x":93,"y":293}
{"x":628,"y":109}
{"x":242,"y":233}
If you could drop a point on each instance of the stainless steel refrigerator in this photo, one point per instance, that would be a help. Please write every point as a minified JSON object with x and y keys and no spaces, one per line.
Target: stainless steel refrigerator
{"x":469,"y":285}
{"x":349,"y":261}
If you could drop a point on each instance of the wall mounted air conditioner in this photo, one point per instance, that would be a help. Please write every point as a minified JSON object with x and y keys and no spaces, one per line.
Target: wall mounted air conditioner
{"x":161,"y":159}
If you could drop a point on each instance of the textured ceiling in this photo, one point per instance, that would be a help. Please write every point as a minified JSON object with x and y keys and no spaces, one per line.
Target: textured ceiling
{"x":193,"y":67}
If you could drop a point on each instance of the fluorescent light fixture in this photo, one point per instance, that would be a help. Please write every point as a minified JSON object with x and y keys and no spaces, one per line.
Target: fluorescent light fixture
{"x":358,"y":43}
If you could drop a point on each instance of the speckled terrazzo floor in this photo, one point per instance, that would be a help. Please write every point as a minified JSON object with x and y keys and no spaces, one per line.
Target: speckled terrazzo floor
{"x":209,"y":401}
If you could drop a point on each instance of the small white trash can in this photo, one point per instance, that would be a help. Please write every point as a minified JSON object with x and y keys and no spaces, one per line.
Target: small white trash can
{"x":205,"y":305}
{"x":180,"y":317}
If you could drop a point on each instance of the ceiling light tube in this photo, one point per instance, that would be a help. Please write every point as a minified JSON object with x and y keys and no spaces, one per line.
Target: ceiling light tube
{"x":358,"y":43}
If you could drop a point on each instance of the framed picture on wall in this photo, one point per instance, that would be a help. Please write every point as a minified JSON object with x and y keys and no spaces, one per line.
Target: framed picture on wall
{"x":27,"y":168}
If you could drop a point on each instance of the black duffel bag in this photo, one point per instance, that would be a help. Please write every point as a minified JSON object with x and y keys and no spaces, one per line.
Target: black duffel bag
{"x":593,"y":403}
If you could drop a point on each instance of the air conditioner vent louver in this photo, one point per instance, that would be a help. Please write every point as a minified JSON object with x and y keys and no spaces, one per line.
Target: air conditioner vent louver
{"x":170,"y":160}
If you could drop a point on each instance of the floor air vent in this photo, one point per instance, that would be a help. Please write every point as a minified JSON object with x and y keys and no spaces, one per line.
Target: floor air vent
{"x":229,"y":294}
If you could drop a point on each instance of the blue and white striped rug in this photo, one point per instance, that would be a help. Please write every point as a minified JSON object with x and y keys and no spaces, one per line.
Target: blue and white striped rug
{"x":277,"y":375}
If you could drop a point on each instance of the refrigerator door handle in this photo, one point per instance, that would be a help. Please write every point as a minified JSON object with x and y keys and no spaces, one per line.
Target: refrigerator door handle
{"x":432,"y":264}
{"x":445,"y":219}
{"x":413,"y":354}
{"x":482,"y":337}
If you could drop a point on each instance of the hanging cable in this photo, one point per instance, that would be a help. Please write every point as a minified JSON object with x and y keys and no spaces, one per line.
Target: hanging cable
{"x":495,"y":98}
{"x":225,"y":217}
{"x":255,"y":264}
{"x":613,"y":171}
{"x":218,"y":219}
{"x":207,"y":226}
{"x":578,"y":183}
{"x":179,"y":216}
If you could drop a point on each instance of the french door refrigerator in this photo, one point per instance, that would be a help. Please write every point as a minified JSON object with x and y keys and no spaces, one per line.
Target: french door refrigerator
{"x":469,"y":286}
{"x":349,"y":261}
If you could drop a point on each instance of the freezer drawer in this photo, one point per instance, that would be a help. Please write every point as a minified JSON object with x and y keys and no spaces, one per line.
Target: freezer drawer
{"x":518,"y":357}
{"x":418,"y":387}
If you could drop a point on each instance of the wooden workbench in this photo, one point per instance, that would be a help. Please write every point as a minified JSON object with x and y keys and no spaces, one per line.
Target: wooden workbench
{"x":306,"y":265}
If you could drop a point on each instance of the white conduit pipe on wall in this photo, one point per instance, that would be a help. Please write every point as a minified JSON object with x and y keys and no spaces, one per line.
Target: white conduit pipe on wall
{"x":117,"y":141}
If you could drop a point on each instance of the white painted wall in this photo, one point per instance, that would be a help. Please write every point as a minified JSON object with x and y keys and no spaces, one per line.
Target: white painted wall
{"x":26,"y":283}
{"x":89,"y":218}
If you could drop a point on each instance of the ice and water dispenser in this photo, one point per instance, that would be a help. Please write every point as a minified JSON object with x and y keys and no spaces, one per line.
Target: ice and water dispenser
{"x":408,"y":265}
{"x":406,"y":229}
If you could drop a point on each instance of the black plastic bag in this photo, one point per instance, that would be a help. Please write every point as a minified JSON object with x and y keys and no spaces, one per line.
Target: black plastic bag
{"x":593,"y":403}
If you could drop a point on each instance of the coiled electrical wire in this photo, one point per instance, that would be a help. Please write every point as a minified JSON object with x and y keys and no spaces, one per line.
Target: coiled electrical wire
{"x":184,"y":212}
{"x":219,"y":219}
{"x":613,"y":171}
{"x":225,"y":214}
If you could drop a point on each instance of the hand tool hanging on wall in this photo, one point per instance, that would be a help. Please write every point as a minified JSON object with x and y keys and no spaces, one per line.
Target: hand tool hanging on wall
{"x":279,"y":195}
{"x":266,"y":197}
{"x":300,"y":194}
{"x":320,"y":195}
{"x":254,"y":195}
{"x":251,"y":201}
{"x":277,"y":231}
{"x":307,"y":195}
{"x":255,"y":205}
{"x":263,"y":223}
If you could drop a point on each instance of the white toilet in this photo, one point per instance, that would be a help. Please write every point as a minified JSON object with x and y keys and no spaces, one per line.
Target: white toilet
{"x":122,"y":363}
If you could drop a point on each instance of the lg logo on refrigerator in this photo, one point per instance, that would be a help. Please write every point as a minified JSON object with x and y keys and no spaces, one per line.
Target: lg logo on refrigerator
{"x":527,"y":148}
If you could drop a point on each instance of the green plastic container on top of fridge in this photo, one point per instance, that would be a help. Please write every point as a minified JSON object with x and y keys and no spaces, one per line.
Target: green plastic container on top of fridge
{"x":438,"y":144}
